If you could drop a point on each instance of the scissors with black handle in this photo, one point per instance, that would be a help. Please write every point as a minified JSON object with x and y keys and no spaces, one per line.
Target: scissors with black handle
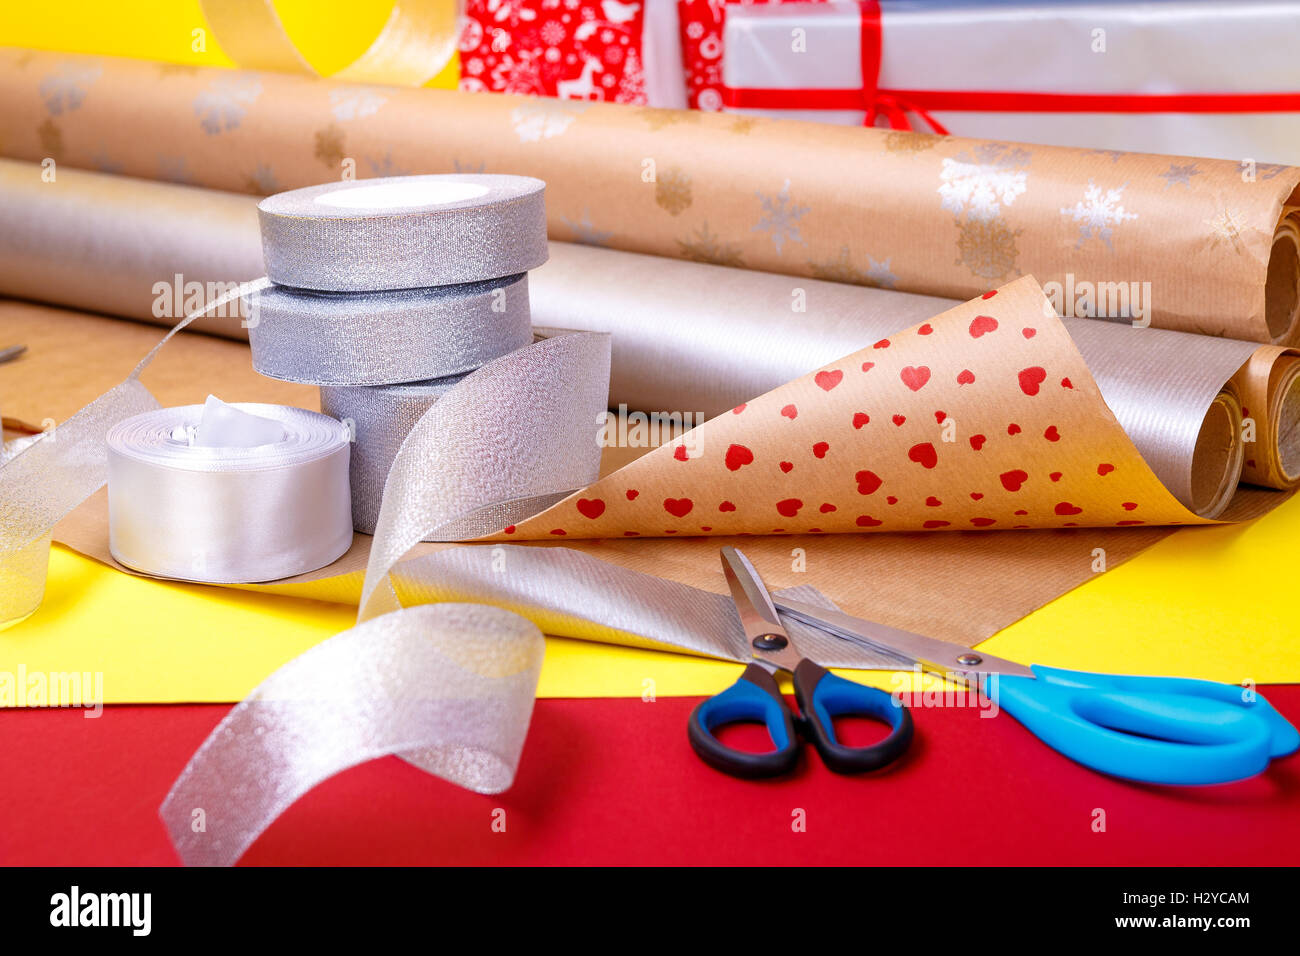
{"x":1169,"y":730}
{"x":756,"y":698}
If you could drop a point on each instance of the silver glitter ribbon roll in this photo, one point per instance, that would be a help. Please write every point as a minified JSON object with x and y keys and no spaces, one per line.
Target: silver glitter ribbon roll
{"x":380,"y":419}
{"x":228,"y":513}
{"x":403,"y":232}
{"x":324,"y":338}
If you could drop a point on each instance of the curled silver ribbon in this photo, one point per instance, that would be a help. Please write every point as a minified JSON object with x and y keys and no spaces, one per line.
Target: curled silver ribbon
{"x":403,"y":232}
{"x":228,"y":515}
{"x":321,"y":338}
{"x":447,"y":687}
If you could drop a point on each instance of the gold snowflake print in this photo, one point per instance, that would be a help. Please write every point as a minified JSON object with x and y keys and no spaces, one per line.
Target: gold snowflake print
{"x":987,"y":247}
{"x":744,"y":124}
{"x":658,"y":117}
{"x":330,"y":145}
{"x":673,"y":191}
{"x":909,"y":141}
{"x":51,"y":138}
{"x":844,"y":269}
{"x":706,"y":246}
{"x":1226,"y":229}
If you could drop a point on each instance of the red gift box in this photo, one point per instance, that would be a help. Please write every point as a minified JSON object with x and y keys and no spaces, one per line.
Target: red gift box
{"x":573,"y":49}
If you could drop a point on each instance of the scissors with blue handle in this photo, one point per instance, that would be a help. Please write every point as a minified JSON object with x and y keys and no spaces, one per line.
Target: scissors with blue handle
{"x":756,"y":698}
{"x":1170,"y":730}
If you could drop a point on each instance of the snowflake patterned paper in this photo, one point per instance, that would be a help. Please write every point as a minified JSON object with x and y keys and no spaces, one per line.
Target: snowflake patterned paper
{"x":572,"y":49}
{"x":983,"y":418}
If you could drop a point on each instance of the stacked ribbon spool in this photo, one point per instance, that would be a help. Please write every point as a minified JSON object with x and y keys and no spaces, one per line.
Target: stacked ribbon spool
{"x":387,"y":292}
{"x":384,"y":293}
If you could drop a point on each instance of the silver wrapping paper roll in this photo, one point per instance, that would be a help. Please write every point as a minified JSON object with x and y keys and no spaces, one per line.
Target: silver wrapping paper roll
{"x":228,"y":515}
{"x":403,"y":232}
{"x":379,"y":419}
{"x":382,"y":338}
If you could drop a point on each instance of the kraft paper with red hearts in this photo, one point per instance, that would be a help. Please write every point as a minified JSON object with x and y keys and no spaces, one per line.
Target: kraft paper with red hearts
{"x":984,"y":417}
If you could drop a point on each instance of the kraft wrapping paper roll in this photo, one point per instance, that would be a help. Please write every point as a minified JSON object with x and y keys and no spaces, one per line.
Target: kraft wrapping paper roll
{"x":233,"y":509}
{"x":1196,"y":245}
{"x":697,"y":338}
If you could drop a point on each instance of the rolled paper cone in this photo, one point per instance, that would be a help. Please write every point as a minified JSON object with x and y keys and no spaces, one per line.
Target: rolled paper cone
{"x":1186,"y":242}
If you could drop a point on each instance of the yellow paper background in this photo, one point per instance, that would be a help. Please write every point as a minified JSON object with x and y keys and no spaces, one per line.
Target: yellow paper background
{"x":330,"y":33}
{"x":1210,"y":602}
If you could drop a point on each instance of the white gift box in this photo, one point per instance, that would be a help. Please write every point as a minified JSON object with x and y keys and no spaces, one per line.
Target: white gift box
{"x":1159,"y":57}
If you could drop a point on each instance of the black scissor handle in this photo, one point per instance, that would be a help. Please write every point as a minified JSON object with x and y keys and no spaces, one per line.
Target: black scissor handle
{"x":822,"y":696}
{"x":754,"y":698}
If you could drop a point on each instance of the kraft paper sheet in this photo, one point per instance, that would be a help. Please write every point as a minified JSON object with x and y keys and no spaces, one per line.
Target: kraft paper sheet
{"x":1217,"y":242}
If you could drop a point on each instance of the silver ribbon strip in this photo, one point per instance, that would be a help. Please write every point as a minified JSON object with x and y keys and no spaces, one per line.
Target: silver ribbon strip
{"x":492,"y":447}
{"x":449,"y":688}
{"x":228,"y":515}
{"x":322,"y":338}
{"x":49,"y":477}
{"x":403,"y":232}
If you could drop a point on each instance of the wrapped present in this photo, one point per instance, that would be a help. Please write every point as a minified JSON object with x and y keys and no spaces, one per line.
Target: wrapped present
{"x":614,"y":50}
{"x":701,"y":25}
{"x":1189,"y":77}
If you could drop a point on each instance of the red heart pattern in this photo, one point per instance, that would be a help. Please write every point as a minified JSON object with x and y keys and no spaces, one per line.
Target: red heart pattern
{"x":915,"y":377}
{"x":946,"y":386}
{"x":737,"y":457}
{"x":828,"y":380}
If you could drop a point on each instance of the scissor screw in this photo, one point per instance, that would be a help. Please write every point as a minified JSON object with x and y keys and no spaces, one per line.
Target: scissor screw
{"x":770,"y":642}
{"x":970,"y":660}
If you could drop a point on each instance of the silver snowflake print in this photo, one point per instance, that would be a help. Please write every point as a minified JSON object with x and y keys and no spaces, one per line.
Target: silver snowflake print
{"x":879,"y":274}
{"x":585,"y":232}
{"x":1114,"y":154}
{"x":105,"y":163}
{"x":1098,"y":213}
{"x":223,"y":105}
{"x":1180,"y":175}
{"x":262,"y":181}
{"x":65,"y":90}
{"x":780,"y":219}
{"x":980,"y":182}
{"x":384,"y":166}
{"x":354,"y":102}
{"x":174,"y":169}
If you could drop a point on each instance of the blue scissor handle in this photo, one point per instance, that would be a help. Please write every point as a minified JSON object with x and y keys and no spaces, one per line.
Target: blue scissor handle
{"x":822,"y":697}
{"x":754,"y":698}
{"x":1172,"y":730}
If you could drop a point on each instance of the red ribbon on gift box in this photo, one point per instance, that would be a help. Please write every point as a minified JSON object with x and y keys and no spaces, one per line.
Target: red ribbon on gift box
{"x":895,"y":105}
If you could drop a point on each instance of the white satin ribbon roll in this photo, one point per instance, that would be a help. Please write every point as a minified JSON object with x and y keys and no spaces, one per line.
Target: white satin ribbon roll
{"x":228,"y":493}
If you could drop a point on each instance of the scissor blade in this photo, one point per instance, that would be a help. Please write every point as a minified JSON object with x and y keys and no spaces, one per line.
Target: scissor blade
{"x":936,"y":656}
{"x":768,"y":640}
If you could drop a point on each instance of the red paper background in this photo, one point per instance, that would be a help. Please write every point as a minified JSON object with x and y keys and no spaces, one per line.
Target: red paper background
{"x":614,"y":781}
